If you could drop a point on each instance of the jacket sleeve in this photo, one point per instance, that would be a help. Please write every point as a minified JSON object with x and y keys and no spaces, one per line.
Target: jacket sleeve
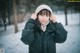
{"x":60,"y":33}
{"x":28,"y":32}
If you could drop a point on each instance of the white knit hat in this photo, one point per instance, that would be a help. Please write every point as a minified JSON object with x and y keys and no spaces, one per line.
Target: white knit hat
{"x":43,"y":6}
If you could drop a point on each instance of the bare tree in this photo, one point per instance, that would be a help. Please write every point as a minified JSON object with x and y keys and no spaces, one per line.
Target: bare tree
{"x":79,"y":18}
{"x":15,"y":16}
{"x":65,"y":11}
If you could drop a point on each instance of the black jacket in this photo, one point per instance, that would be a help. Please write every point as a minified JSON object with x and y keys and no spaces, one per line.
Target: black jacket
{"x":43,"y":42}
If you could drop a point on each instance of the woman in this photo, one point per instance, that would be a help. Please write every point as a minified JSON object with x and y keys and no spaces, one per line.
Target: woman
{"x":42,"y":31}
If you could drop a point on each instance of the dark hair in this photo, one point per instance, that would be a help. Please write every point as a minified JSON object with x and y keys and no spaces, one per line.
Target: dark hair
{"x":44,"y":12}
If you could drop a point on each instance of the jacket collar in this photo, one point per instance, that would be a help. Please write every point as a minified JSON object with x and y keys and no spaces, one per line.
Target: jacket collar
{"x":50,"y":27}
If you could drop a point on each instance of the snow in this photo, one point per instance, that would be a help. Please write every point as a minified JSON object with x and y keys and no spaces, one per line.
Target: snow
{"x":11,"y":42}
{"x":73,"y":41}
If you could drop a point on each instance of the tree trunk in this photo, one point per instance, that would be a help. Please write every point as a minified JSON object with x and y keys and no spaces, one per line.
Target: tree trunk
{"x":15,"y":16}
{"x":65,"y":11}
{"x":79,"y":18}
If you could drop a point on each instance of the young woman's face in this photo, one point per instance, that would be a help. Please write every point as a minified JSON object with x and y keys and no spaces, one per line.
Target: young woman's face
{"x":43,"y":19}
{"x":43,"y":16}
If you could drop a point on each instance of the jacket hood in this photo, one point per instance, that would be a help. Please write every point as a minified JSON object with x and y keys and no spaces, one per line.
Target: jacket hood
{"x":41,"y":7}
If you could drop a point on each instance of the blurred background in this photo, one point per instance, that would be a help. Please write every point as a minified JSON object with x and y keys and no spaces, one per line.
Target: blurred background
{"x":15,"y":13}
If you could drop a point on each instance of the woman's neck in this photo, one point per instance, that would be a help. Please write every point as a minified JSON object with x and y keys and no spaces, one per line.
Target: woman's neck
{"x":43,"y":27}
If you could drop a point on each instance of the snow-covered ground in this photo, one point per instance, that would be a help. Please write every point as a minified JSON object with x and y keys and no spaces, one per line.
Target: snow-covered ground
{"x":72,"y":44}
{"x":11,"y":43}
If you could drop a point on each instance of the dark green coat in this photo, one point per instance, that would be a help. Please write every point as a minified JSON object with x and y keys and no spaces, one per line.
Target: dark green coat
{"x":43,"y":42}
